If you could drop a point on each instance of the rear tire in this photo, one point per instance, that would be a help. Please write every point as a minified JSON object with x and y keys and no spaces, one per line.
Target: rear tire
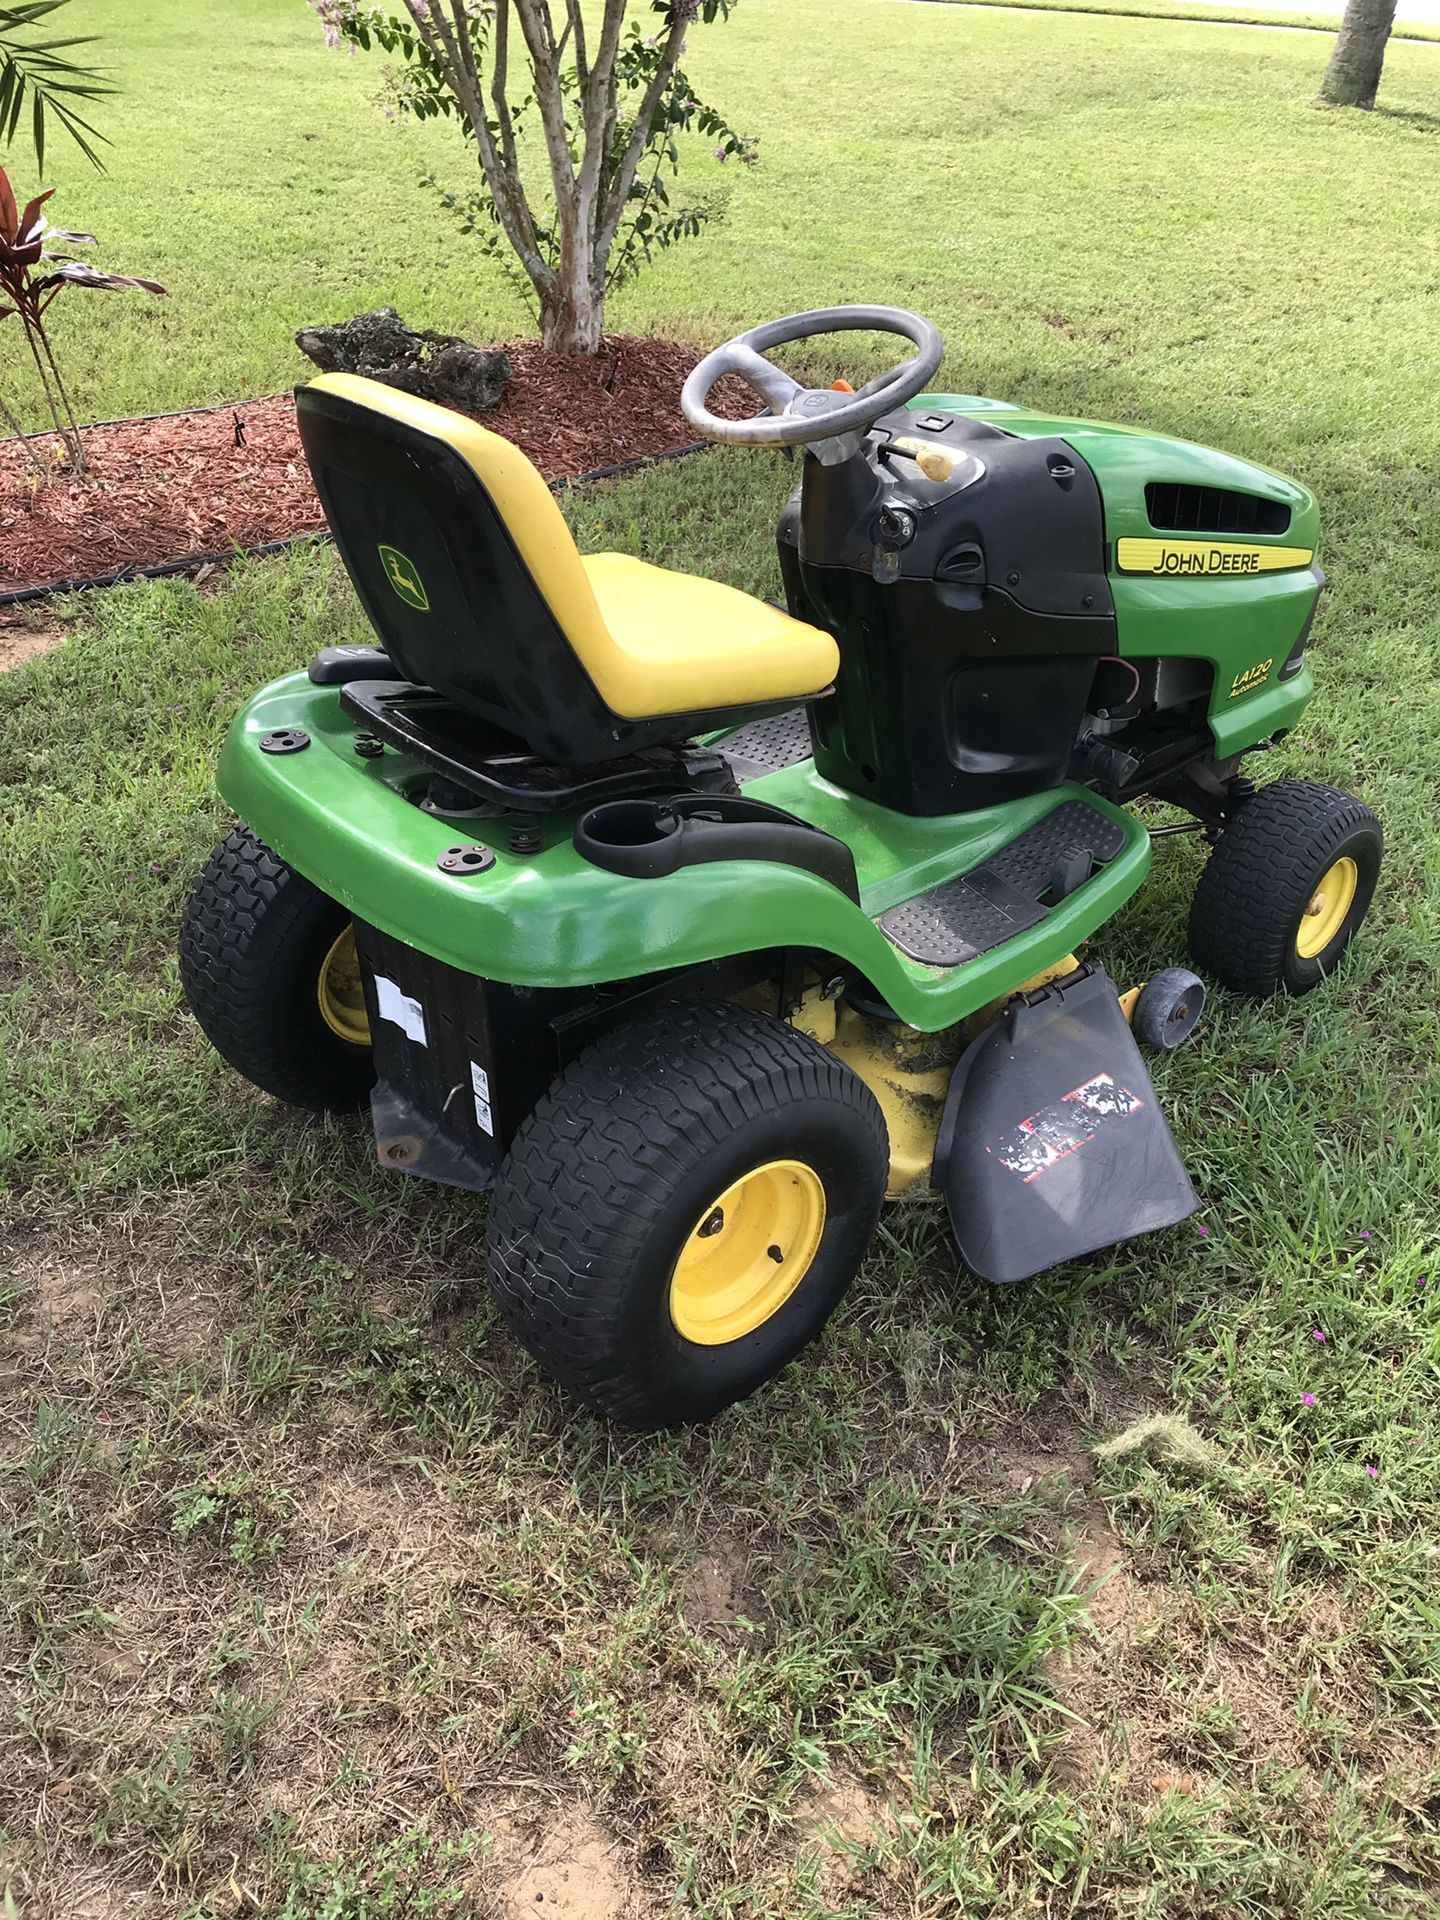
{"x":607,"y":1220}
{"x":254,"y":945}
{"x":1285,"y":888}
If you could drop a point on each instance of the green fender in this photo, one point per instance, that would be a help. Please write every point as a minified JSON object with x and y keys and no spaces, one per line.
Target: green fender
{"x":351,"y":825}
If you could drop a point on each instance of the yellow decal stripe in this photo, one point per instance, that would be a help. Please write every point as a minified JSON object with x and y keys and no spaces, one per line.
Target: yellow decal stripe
{"x":1175,"y":559}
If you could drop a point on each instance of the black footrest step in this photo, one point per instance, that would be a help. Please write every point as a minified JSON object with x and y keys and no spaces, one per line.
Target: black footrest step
{"x":980,"y":910}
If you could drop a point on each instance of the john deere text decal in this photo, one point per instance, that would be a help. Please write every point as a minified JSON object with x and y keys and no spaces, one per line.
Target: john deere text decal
{"x":1175,"y":558}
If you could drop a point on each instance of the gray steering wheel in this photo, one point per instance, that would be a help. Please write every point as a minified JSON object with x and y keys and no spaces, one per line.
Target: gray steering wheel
{"x":800,"y":415}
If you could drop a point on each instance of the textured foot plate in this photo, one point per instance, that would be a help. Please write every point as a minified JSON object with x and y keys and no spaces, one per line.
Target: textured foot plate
{"x":981,"y":910}
{"x":765,"y":746}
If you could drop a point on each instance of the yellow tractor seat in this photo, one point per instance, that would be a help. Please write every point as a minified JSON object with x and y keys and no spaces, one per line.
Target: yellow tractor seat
{"x":473,"y":583}
{"x":681,"y":642}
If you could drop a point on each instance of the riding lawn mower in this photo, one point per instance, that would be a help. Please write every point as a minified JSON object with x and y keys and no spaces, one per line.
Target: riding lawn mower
{"x":691,"y":928}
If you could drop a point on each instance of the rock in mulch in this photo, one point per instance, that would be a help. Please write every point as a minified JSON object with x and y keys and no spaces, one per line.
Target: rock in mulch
{"x":436,"y":366}
{"x":201,"y":483}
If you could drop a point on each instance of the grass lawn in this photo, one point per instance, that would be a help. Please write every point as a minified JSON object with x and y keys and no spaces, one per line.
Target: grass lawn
{"x":1074,"y":199}
{"x":318,"y":1602}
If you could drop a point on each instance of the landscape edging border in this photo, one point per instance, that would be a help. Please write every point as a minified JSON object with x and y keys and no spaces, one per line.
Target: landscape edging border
{"x":163,"y":569}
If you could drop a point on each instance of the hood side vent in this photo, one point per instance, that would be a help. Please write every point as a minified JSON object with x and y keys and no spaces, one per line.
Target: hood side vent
{"x":1175,"y":507}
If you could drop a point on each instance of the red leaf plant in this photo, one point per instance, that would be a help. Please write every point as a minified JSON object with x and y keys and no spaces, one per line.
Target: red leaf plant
{"x":32,"y":273}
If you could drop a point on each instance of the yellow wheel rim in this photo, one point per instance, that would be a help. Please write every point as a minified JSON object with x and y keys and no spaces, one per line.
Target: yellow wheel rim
{"x":1328,"y":905}
{"x":747,"y":1253}
{"x":341,"y":994}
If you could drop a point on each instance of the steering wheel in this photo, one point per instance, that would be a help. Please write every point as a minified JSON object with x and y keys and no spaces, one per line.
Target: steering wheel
{"x":800,"y":416}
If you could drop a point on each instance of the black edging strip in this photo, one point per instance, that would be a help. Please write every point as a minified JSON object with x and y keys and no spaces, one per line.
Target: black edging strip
{"x":162,"y":569}
{"x":147,"y":419}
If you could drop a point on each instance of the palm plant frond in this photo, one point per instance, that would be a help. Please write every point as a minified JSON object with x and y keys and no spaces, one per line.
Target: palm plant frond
{"x":47,"y":77}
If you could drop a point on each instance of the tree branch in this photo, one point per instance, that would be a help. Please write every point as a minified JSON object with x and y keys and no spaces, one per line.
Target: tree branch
{"x":573,"y":239}
{"x":499,"y":79}
{"x":539,"y":32}
{"x":598,"y":108}
{"x":577,"y":28}
{"x":624,"y":179}
{"x":506,"y":189}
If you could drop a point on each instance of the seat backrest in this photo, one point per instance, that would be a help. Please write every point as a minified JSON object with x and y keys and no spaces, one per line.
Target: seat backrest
{"x":465,"y":566}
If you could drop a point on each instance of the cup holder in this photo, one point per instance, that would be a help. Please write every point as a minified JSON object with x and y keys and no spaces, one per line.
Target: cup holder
{"x":620,"y":824}
{"x":647,"y":839}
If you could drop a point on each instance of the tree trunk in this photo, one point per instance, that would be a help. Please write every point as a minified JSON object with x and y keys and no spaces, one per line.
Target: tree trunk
{"x":1353,"y":77}
{"x":571,"y":320}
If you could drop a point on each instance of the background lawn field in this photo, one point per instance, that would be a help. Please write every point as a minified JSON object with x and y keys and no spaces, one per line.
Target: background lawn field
{"x":316,"y":1601}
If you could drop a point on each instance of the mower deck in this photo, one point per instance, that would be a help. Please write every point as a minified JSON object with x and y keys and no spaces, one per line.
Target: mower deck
{"x":952,"y":911}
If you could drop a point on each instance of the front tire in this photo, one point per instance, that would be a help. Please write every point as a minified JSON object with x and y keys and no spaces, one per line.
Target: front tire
{"x":1285,"y":888}
{"x":684,"y":1209}
{"x":268,"y":965}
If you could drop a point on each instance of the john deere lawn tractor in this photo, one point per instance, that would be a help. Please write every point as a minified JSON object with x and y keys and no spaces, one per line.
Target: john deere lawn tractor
{"x":691,"y":928}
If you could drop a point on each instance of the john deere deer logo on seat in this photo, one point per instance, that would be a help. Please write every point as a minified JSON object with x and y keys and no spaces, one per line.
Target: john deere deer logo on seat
{"x":403,"y":577}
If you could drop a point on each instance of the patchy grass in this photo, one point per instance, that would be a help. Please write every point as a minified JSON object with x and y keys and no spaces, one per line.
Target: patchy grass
{"x":321,"y":1602}
{"x":318,"y":1603}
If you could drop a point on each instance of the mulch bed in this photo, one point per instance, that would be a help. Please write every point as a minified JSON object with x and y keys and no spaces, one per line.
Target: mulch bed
{"x":204,"y":482}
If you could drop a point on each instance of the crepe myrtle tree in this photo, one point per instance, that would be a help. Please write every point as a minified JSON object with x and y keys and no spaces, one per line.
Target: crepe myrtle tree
{"x":1352,"y":78}
{"x":575,"y":112}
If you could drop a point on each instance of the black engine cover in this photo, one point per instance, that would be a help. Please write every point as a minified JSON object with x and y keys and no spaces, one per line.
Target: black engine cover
{"x":969,"y":611}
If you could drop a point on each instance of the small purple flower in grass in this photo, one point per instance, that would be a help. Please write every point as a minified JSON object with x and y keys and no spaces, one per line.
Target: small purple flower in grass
{"x":1373,"y":1471}
{"x":1316,"y":1334}
{"x":1204,"y":1233}
{"x":1364,"y":1233}
{"x":1307,"y":1400}
{"x":1423,"y":1281}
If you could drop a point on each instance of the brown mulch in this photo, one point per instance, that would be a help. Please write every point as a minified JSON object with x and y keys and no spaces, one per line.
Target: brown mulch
{"x":203,"y":482}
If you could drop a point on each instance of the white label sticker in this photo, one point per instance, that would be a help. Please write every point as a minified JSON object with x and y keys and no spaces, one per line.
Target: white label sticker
{"x":480,"y":1081}
{"x":407,"y":1014}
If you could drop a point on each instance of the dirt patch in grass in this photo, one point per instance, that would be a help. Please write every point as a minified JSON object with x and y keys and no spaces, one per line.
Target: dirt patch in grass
{"x":203,"y":482}
{"x":66,"y":1298}
{"x":837,"y":1823}
{"x":564,"y":1868}
{"x":715,"y":1586}
{"x":25,"y":638}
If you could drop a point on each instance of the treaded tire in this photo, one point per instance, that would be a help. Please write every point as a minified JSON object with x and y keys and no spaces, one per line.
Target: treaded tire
{"x":607,"y":1176}
{"x":252,"y":942}
{"x":1261,"y":876}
